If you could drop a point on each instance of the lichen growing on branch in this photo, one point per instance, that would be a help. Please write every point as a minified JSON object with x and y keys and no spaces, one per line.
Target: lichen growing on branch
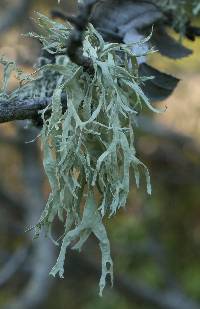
{"x":89,"y":149}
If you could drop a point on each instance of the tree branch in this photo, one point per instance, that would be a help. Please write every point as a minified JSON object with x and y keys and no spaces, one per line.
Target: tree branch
{"x":21,"y":109}
{"x":75,"y":41}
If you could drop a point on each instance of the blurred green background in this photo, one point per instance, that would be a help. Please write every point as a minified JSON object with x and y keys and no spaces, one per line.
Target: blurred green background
{"x":155,"y":240}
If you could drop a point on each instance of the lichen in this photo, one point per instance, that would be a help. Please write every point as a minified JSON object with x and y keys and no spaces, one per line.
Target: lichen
{"x":89,"y":149}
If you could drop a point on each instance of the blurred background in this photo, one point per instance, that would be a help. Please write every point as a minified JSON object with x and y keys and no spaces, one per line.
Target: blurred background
{"x":155,"y":241}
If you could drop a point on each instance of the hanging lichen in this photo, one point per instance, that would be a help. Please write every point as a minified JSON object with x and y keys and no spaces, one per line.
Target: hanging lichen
{"x":89,"y":148}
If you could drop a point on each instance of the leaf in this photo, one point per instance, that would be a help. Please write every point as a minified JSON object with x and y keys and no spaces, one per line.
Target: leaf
{"x":167,"y":45}
{"x":160,"y":86}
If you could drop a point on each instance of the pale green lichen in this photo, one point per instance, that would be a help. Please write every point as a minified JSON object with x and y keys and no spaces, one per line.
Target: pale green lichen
{"x":89,"y":149}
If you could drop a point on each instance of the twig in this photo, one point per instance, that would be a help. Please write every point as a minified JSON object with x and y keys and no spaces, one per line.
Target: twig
{"x":75,"y":41}
{"x":21,"y":109}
